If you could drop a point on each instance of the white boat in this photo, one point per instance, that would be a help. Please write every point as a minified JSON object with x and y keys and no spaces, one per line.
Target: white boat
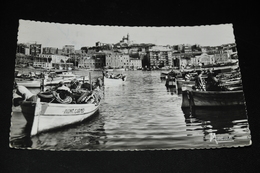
{"x":48,"y":116}
{"x":30,"y":84}
{"x":115,"y":69}
{"x":113,"y":81}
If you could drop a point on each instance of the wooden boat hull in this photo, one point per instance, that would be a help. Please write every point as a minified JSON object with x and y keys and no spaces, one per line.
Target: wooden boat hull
{"x":49,"y":116}
{"x":191,"y":98}
{"x":113,"y":82}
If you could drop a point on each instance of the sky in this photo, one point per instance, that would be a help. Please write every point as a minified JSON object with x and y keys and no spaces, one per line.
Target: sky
{"x":58,"y":35}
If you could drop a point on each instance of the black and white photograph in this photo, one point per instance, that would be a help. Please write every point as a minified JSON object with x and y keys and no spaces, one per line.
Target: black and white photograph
{"x":126,"y":88}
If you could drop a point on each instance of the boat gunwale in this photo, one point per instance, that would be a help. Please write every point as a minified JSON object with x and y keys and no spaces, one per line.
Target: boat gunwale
{"x":215,"y":92}
{"x":68,"y":105}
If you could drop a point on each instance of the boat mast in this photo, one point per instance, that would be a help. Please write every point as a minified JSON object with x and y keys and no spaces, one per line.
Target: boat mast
{"x":90,"y":81}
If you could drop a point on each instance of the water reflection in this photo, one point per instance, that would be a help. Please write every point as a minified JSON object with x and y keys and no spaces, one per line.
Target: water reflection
{"x":88,"y":134}
{"x":21,"y":138}
{"x":170,"y":89}
{"x":223,"y":122}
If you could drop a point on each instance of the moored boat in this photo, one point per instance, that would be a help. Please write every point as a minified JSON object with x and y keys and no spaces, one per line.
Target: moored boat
{"x":48,"y":116}
{"x":192,"y":98}
{"x":115,"y":69}
{"x":114,"y":81}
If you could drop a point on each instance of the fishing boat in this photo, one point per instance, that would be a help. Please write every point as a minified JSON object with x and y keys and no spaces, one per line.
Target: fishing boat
{"x":192,"y":98}
{"x":114,"y":81}
{"x":48,"y":116}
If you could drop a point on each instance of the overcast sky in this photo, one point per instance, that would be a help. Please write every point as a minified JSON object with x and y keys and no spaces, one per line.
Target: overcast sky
{"x":58,"y":35}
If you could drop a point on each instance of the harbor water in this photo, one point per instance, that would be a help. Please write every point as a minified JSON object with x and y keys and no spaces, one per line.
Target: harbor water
{"x":140,"y":115}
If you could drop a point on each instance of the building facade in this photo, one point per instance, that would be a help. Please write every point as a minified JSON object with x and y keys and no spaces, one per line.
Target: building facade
{"x":117,"y":60}
{"x":50,"y":50}
{"x":51,"y":61}
{"x":35,"y":49}
{"x":68,"y":49}
{"x":92,"y":61}
{"x":160,"y":56}
{"x":87,"y":62}
{"x":135,"y":63}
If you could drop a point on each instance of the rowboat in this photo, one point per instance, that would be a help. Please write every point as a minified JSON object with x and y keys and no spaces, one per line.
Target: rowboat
{"x":48,"y":116}
{"x":114,"y":81}
{"x":192,"y":98}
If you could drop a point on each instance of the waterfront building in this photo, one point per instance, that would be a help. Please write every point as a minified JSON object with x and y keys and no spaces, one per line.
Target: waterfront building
{"x":92,"y":61}
{"x":100,"y":59}
{"x":87,"y":62}
{"x":181,"y":60}
{"x":160,"y":56}
{"x":51,"y":61}
{"x":135,"y":63}
{"x":206,"y":59}
{"x":117,"y":60}
{"x":203,"y":59}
